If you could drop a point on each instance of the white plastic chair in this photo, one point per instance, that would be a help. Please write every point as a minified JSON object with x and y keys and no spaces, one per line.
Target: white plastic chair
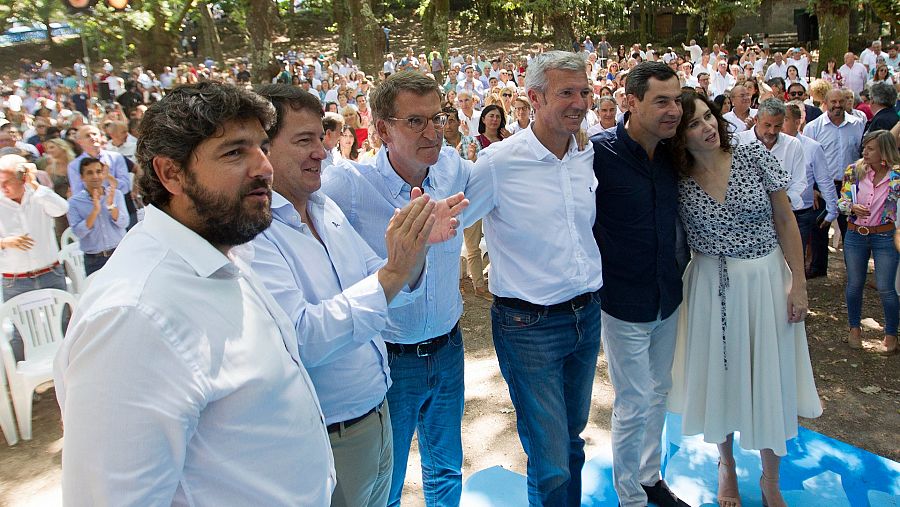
{"x":68,"y":237}
{"x":72,"y":259}
{"x":38,"y":317}
{"x":7,"y":417}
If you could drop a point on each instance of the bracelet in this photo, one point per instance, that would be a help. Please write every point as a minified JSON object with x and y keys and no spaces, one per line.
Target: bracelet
{"x":110,"y":207}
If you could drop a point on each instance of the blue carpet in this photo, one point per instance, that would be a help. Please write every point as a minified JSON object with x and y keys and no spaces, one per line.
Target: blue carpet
{"x":818,"y":472}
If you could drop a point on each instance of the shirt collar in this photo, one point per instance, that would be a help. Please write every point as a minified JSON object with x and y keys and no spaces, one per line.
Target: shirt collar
{"x":284,"y":209}
{"x":540,"y":151}
{"x":392,"y":180}
{"x":204,"y":258}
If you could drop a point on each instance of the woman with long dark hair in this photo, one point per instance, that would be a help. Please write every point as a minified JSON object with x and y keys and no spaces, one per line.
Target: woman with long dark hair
{"x":491,"y":126}
{"x":745,"y":365}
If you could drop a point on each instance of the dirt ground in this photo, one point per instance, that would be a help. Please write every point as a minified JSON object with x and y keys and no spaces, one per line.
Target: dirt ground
{"x":859,"y":388}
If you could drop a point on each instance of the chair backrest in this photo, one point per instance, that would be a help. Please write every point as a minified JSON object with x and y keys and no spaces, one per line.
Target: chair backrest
{"x":38,"y":317}
{"x":68,"y":237}
{"x":72,"y":259}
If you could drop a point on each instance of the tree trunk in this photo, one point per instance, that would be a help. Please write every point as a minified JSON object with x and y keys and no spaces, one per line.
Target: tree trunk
{"x":642,"y":23}
{"x":561,"y":24}
{"x":435,"y":24}
{"x":369,"y":36}
{"x":834,"y":29}
{"x":210,"y":44}
{"x":261,"y":20}
{"x":340,"y":13}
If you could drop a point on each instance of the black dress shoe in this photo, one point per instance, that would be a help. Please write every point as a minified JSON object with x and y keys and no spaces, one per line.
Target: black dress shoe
{"x":662,"y":496}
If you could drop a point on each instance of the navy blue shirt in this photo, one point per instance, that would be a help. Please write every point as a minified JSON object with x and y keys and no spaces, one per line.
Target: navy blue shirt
{"x":637,"y":212}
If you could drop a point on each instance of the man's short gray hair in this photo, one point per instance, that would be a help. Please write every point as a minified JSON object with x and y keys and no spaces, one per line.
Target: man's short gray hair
{"x":12,"y":163}
{"x":606,"y":98}
{"x":883,"y":94}
{"x":536,"y":76}
{"x":771,"y":107}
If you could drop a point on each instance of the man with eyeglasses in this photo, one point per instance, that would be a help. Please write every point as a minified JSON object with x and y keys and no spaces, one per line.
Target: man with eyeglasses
{"x":796,"y":91}
{"x":423,"y":339}
{"x":468,"y":115}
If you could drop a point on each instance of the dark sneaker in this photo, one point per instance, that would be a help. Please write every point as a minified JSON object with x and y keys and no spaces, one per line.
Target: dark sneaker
{"x":660,"y":495}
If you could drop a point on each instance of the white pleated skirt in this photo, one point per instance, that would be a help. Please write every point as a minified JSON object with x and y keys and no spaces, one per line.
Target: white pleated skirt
{"x":769,"y":380}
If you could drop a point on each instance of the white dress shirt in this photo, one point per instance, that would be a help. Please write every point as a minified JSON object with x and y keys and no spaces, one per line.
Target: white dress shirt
{"x":854,"y":77}
{"x":802,"y":65}
{"x":180,"y":384}
{"x":34,"y":216}
{"x":737,"y":125}
{"x":789,"y":152}
{"x":538,"y":217}
{"x":126,"y":149}
{"x":776,"y":70}
{"x":472,"y":122}
{"x":330,"y":291}
{"x":841,"y":142}
{"x":719,"y":84}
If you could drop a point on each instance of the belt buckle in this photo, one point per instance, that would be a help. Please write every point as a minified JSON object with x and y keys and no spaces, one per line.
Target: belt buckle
{"x":862,"y":230}
{"x":426,"y":353}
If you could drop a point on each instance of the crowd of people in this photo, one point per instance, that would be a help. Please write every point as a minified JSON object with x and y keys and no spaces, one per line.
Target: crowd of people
{"x":275,"y":270}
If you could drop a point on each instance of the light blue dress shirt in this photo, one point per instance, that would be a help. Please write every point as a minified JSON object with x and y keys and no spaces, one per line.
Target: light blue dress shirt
{"x":817,"y":172}
{"x":106,"y":232}
{"x":331,"y":293}
{"x":117,"y":167}
{"x":841,"y":142}
{"x":368,"y":195}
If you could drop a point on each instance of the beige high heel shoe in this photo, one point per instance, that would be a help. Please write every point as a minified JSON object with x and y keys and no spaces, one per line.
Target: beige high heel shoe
{"x":728,"y":501}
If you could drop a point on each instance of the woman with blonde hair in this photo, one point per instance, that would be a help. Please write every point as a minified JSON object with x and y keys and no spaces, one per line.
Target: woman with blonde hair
{"x":869,"y":195}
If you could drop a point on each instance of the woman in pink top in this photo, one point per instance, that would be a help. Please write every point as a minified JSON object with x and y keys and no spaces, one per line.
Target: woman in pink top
{"x":869,"y":195}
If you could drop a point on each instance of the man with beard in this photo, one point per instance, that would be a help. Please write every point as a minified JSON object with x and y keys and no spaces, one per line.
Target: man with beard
{"x":179,"y":379}
{"x":637,"y":210}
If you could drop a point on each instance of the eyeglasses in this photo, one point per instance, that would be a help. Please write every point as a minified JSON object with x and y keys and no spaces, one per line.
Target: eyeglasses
{"x":418,"y":123}
{"x":795,"y":94}
{"x":506,"y":95}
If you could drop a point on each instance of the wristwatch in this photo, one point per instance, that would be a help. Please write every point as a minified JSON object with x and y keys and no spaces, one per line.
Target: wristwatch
{"x":110,"y":207}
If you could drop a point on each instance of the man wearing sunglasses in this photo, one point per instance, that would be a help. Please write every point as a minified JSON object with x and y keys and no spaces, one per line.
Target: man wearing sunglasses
{"x":796,"y":91}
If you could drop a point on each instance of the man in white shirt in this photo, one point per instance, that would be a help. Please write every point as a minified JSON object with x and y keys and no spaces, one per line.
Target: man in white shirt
{"x":337,"y":292}
{"x":721,"y":80}
{"x":470,"y":84}
{"x":538,"y":190}
{"x":742,"y":116}
{"x":854,"y":73}
{"x":778,"y":68}
{"x":786,"y":149}
{"x":198,"y":364}
{"x":28,"y":249}
{"x":694,"y":50}
{"x":839,"y":133}
{"x":869,"y":55}
{"x":120,"y":140}
{"x":333,"y":125}
{"x":799,"y":57}
{"x":468,"y":115}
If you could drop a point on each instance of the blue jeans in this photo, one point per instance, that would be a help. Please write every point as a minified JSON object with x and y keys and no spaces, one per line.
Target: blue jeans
{"x":427,"y":397}
{"x":12,"y":287}
{"x":548,"y":360}
{"x":857,"y":250}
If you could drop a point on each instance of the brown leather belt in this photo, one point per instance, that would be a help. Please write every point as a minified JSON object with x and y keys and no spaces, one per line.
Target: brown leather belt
{"x":865,"y":230}
{"x":32,"y":274}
